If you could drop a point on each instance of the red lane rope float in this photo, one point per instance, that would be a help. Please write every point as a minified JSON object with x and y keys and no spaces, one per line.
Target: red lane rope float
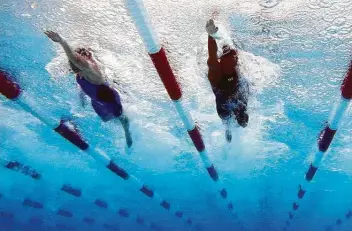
{"x":162,"y":66}
{"x":11,"y":90}
{"x":8,"y":87}
{"x":346,"y":88}
{"x":346,"y":92}
{"x":325,"y":139}
{"x":164,"y":70}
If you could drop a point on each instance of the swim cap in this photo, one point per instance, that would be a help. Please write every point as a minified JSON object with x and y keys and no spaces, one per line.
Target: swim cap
{"x":83,"y":52}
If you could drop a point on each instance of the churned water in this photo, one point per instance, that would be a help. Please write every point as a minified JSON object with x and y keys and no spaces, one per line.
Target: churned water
{"x":294,"y":55}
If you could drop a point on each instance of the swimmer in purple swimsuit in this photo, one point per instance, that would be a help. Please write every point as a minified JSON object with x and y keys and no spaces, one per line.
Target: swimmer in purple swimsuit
{"x":105,"y":100}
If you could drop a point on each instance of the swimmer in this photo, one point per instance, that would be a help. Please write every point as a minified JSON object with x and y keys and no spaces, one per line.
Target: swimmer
{"x":104,"y":99}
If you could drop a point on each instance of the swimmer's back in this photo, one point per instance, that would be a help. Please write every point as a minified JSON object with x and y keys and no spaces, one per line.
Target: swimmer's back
{"x":91,"y":72}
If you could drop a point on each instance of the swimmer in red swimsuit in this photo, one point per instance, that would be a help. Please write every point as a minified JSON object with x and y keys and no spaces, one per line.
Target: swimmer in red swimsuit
{"x":105,"y":99}
{"x":231,"y":101}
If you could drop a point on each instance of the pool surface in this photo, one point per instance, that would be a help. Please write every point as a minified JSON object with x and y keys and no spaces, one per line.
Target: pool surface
{"x":62,"y":168}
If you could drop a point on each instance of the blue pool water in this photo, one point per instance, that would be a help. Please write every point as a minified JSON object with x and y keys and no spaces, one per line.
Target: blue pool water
{"x":294,"y":55}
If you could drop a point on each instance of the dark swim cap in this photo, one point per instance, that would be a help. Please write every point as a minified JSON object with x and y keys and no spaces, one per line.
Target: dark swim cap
{"x":84,"y":52}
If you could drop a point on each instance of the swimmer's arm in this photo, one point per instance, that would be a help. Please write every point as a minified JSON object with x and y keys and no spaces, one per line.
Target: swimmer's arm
{"x":212,"y":50}
{"x":70,"y":54}
{"x":77,"y":60}
{"x":55,"y":37}
{"x":214,"y":74}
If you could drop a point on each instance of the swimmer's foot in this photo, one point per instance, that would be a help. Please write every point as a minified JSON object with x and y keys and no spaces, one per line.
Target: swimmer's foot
{"x":242,"y":119}
{"x":129,"y":141}
{"x":228,"y":136}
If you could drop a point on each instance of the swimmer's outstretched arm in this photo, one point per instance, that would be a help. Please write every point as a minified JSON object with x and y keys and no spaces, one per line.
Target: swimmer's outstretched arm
{"x":212,"y":47}
{"x":76,"y":60}
{"x":214,"y":73}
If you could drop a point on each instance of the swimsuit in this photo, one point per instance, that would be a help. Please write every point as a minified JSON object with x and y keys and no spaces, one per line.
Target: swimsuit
{"x":105,"y":100}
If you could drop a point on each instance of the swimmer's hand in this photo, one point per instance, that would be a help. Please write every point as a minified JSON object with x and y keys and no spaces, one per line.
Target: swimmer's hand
{"x":210,"y":27}
{"x":53,"y":36}
{"x":69,"y":52}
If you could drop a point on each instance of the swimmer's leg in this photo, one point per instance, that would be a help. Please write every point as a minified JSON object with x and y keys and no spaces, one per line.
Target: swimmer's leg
{"x":228,"y":134}
{"x":108,"y":112}
{"x":241,"y":115}
{"x":240,"y":107}
{"x":224,"y":113}
{"x":126,"y":126}
{"x":111,"y":97}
